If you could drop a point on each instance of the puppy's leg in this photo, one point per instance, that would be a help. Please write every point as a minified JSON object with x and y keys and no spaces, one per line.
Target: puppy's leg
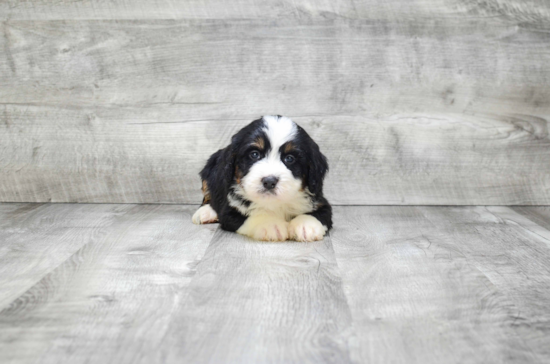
{"x":205,"y":215}
{"x":313,"y":225}
{"x":306,"y":228}
{"x":265,"y":227}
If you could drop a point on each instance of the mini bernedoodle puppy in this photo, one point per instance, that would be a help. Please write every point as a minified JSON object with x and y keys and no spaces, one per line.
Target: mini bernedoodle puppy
{"x":267,"y":184}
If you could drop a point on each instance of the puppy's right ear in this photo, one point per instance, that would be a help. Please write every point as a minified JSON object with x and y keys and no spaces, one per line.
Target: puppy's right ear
{"x":220,"y":168}
{"x":227,"y":160}
{"x":231,"y":152}
{"x":228,"y":163}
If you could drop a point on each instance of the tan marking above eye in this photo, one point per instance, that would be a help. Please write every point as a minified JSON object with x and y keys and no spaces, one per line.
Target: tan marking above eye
{"x":289,"y":147}
{"x":259,"y":143}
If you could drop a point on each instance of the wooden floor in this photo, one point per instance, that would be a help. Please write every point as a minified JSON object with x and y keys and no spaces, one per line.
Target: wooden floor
{"x":392,"y":284}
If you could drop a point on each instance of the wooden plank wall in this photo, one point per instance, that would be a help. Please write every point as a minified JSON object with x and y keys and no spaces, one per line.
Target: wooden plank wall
{"x":414,"y":102}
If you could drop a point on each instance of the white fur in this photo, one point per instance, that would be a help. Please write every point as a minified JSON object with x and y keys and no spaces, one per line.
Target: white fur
{"x":288,"y":199}
{"x":265,"y":227}
{"x":296,"y":203}
{"x":236,"y":203}
{"x":269,"y":213}
{"x":205,"y":215}
{"x":279,"y":130}
{"x":306,"y":228}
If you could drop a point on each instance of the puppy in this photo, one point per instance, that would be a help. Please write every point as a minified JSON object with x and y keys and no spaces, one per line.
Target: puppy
{"x":267,"y":184}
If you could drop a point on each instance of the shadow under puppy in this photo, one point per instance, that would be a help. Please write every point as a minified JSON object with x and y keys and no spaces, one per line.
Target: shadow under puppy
{"x":267,"y":184}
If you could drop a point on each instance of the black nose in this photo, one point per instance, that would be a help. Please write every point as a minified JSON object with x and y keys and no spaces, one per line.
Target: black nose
{"x":270,"y":182}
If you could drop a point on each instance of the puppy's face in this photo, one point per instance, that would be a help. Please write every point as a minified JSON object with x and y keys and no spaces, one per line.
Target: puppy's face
{"x":276,"y":161}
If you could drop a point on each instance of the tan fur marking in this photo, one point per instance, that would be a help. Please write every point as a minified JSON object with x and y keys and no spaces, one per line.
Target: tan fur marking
{"x":289,"y":147}
{"x":259,"y":143}
{"x":205,"y":193}
{"x":238,"y":175}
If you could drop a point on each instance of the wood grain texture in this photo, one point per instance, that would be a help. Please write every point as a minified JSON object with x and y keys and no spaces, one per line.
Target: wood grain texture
{"x":404,"y":159}
{"x":256,"y":302}
{"x":517,"y":10}
{"x":144,"y":293}
{"x":220,"y":69}
{"x":447,"y":111}
{"x":444,"y":284}
{"x":513,"y":253}
{"x":538,"y":214}
{"x":112,"y":298}
{"x":35,"y":239}
{"x":390,"y":284}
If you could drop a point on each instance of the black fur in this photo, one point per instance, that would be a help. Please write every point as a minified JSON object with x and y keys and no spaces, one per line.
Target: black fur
{"x":220,"y":173}
{"x":323,"y":213}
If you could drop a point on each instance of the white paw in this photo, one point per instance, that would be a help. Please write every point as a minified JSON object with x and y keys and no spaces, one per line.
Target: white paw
{"x":266,"y":229}
{"x":274,"y":231}
{"x":205,"y":215}
{"x":306,"y":228}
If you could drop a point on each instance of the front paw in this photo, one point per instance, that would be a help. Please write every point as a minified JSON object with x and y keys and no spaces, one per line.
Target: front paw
{"x":205,"y":215}
{"x":265,"y":229}
{"x":306,"y":228}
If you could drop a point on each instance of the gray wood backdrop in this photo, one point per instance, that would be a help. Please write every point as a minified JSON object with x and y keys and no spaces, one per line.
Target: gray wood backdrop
{"x":413,"y":101}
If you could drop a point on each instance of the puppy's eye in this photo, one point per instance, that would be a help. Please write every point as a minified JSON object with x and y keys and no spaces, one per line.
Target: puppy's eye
{"x":289,"y":159}
{"x":254,"y":155}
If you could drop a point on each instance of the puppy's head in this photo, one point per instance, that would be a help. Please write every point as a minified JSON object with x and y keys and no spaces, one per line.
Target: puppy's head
{"x":276,"y":161}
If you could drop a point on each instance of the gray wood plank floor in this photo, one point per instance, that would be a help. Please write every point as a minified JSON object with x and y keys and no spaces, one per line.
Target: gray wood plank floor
{"x":400,"y":284}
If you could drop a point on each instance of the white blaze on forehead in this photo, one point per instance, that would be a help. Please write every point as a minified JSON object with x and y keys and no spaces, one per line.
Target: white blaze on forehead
{"x":289,"y":198}
{"x":279,"y":130}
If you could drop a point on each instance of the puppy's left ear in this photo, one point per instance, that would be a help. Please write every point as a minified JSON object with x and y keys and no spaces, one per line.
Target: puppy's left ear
{"x":317,"y":168}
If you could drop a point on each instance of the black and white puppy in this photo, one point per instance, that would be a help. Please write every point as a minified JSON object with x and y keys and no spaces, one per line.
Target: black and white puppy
{"x":267,"y":184}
